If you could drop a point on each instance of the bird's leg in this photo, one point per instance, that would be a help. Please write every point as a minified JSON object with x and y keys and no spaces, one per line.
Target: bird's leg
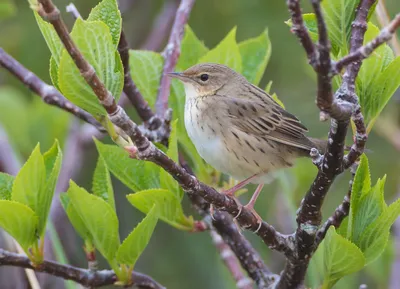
{"x":250,"y":204}
{"x":235,"y":188}
{"x":231,"y":192}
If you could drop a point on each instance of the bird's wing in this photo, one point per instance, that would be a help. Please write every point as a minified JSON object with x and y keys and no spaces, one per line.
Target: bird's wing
{"x":262,"y":117}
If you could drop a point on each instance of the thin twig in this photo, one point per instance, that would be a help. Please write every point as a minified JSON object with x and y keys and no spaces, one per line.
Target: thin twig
{"x":71,"y":8}
{"x":231,"y":262}
{"x":171,"y":54}
{"x":48,"y":93}
{"x":79,"y":275}
{"x":161,"y":26}
{"x":365,"y":51}
{"x":383,"y":18}
{"x":147,"y":151}
{"x":301,"y":31}
{"x":9,"y":162}
{"x":142,"y":107}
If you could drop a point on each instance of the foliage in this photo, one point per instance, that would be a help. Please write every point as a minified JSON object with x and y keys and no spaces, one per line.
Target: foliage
{"x":363,"y":237}
{"x":26,"y":199}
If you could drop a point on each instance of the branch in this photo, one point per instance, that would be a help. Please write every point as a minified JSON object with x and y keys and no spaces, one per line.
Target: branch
{"x":300,"y":30}
{"x":341,"y":212}
{"x":365,"y":51}
{"x":245,"y":253}
{"x":340,"y":108}
{"x":85,"y":277}
{"x":231,"y":262}
{"x":142,"y":107}
{"x":171,"y":53}
{"x":48,"y":93}
{"x":147,"y":151}
{"x":161,"y":26}
{"x":9,"y":162}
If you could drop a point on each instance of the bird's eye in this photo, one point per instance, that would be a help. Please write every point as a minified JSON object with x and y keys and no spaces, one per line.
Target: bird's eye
{"x":204,"y":77}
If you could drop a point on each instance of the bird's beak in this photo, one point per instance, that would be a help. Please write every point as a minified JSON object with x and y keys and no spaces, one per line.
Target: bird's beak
{"x":178,"y":75}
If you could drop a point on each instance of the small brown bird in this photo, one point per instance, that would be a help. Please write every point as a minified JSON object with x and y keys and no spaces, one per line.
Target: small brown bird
{"x":238,"y":128}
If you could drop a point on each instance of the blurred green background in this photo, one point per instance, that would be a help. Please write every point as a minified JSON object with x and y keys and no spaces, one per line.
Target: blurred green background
{"x":178,"y":259}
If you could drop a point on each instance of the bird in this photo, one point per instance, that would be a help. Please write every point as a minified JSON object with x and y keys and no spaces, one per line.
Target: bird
{"x":239,"y":129}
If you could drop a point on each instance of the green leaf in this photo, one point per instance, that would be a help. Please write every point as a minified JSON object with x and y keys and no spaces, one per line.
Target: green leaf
{"x":311,"y":24}
{"x":135,"y":174}
{"x":373,"y":240}
{"x":53,"y":71}
{"x":6,"y":183}
{"x":166,"y":180}
{"x":52,"y":161}
{"x":373,"y":89}
{"x":134,"y":245}
{"x":146,"y":69}
{"x":385,"y":86}
{"x":7,"y":9}
{"x":341,"y":258}
{"x":369,"y":207}
{"x":192,"y":49}
{"x":362,"y":181}
{"x":51,"y":37}
{"x":361,"y":186}
{"x":74,"y":218}
{"x":29,"y":184}
{"x":168,"y":206}
{"x":19,"y":221}
{"x":339,"y":15}
{"x":255,"y":54}
{"x":102,"y":185}
{"x":107,"y":11}
{"x":99,"y":218}
{"x":226,"y":52}
{"x":94,"y":41}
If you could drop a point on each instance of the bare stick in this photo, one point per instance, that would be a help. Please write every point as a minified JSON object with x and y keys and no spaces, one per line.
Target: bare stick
{"x":48,"y":93}
{"x":161,"y":26}
{"x":171,"y":54}
{"x":363,"y":52}
{"x":142,"y":107}
{"x":82,"y":276}
{"x":229,"y":258}
{"x":9,"y":162}
{"x":301,"y":31}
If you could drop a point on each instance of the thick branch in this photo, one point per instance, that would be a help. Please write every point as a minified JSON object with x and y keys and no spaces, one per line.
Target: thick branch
{"x":171,"y":54}
{"x":247,"y":256}
{"x":82,"y":276}
{"x":341,"y":212}
{"x":48,"y":93}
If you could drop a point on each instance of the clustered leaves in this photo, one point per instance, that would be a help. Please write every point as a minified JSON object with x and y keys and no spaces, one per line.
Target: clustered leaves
{"x":26,"y":199}
{"x":363,"y":236}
